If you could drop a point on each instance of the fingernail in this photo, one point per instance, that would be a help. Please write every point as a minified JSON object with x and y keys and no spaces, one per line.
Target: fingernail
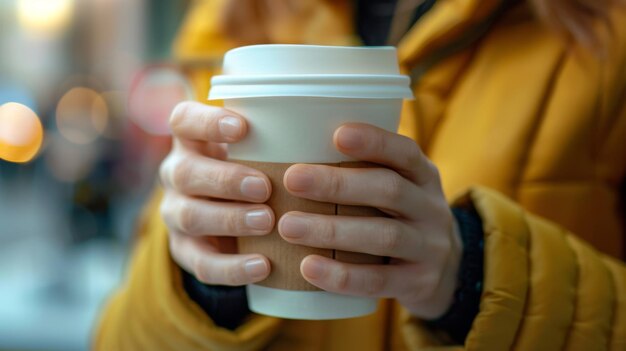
{"x":258,"y":219}
{"x":299,"y":181}
{"x":254,"y":188}
{"x":230,"y":126}
{"x":256,"y":268}
{"x":293,"y":226}
{"x":313,"y":269}
{"x":349,"y":138}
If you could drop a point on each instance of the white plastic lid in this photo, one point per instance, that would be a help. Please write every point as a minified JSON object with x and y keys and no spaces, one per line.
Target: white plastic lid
{"x":310,"y":70}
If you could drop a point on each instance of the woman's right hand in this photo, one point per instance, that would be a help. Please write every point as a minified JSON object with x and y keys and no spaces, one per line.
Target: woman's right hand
{"x":203,"y":226}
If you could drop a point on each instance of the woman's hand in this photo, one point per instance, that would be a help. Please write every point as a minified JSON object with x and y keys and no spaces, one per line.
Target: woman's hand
{"x":420,"y":237}
{"x":197,"y":180}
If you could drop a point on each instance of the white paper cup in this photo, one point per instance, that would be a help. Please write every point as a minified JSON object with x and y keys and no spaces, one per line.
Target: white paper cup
{"x":300,"y":129}
{"x":294,"y":97}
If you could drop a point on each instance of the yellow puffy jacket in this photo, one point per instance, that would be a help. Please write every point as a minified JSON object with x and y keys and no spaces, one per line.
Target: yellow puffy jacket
{"x":530,"y":131}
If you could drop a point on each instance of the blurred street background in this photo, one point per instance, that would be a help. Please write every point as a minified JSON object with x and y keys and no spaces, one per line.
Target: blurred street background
{"x":86,"y":87}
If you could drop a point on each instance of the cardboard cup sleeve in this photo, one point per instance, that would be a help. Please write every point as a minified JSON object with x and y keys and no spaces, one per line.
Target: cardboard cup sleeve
{"x":284,"y":257}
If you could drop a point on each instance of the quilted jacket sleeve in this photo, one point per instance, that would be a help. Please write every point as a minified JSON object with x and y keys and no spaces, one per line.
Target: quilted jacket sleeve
{"x":152,"y":312}
{"x":544,"y":289}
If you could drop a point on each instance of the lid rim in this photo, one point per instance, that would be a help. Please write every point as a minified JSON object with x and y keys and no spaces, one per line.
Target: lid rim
{"x":224,"y":92}
{"x":310,"y":79}
{"x":312,"y":47}
{"x":358,"y":97}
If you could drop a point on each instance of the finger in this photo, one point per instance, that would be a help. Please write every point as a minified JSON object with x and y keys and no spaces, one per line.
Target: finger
{"x":197,"y":257}
{"x":196,"y":121}
{"x":375,"y":187}
{"x":196,"y":175}
{"x":354,"y":279}
{"x":204,"y":217}
{"x":369,"y":143}
{"x":376,"y":236}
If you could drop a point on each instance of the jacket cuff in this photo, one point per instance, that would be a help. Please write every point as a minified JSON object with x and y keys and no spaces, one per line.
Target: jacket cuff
{"x":506,"y":271}
{"x":154,"y":300}
{"x":227,"y":306}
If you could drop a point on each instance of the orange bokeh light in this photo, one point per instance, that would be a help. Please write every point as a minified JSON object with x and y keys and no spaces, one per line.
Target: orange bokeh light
{"x":82,"y":115}
{"x":45,"y":17}
{"x":21,"y":133}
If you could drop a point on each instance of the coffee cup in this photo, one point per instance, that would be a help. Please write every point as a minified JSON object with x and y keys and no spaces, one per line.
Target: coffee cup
{"x":294,"y":97}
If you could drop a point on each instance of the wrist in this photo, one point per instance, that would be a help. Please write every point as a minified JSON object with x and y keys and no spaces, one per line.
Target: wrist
{"x":457,"y":249}
{"x":452,"y":282}
{"x":458,"y":319}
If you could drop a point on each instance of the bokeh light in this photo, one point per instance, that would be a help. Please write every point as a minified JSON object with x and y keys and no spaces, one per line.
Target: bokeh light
{"x":82,"y":115}
{"x":153,"y":95}
{"x":45,"y":16}
{"x":21,"y":133}
{"x":75,"y":169}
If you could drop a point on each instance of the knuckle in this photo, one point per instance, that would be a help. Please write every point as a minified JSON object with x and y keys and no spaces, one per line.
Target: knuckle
{"x":233,"y":221}
{"x":210,"y":117}
{"x":327,"y":234}
{"x":439,"y":212}
{"x":336,"y":183}
{"x":341,"y":279}
{"x":164,"y":170}
{"x":175,"y":245}
{"x":414,"y":154}
{"x":178,"y":115}
{"x":187,"y":216}
{"x":390,"y":238}
{"x":392,"y":188}
{"x":202,"y":271}
{"x":209,"y":126}
{"x":167,"y":212}
{"x":181,"y":174}
{"x":164,"y":206}
{"x":225,"y":179}
{"x":433,"y":170}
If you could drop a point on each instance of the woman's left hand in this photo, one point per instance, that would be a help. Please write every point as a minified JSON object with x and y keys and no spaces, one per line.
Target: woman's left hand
{"x":420,"y":236}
